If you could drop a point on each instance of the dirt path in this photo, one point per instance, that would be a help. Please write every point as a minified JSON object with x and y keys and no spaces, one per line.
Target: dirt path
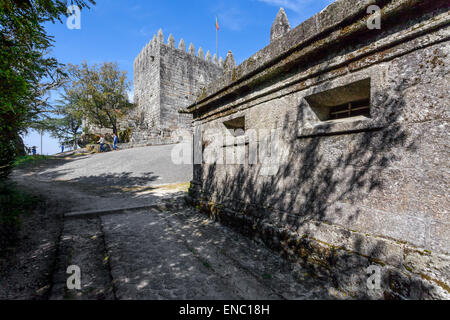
{"x":49,"y":243}
{"x":165,"y":251}
{"x":167,"y":254}
{"x":27,"y":269}
{"x":34,"y":269}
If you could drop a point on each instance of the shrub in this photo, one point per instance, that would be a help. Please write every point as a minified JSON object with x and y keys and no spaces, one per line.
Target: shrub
{"x":125,"y":135}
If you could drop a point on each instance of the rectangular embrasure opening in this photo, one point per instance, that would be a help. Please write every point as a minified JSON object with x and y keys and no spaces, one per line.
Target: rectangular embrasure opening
{"x":345,"y":102}
{"x":236,"y":126}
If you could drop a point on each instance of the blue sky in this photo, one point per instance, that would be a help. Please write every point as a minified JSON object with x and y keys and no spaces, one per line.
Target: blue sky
{"x":116,"y":30}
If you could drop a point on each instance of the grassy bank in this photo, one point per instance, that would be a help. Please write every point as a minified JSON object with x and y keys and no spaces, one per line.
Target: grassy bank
{"x":26,"y":161}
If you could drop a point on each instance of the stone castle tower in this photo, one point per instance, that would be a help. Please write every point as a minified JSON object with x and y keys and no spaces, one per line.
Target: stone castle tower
{"x":167,"y":79}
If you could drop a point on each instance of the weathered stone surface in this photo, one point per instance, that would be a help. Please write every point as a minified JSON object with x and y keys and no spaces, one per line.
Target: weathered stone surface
{"x":201,"y":54}
{"x":229,"y":63}
{"x":171,"y":41}
{"x":192,"y":49}
{"x":182,"y":45}
{"x":160,"y":36}
{"x":346,"y":193}
{"x":271,"y":57}
{"x":186,"y":257}
{"x":280,"y":26}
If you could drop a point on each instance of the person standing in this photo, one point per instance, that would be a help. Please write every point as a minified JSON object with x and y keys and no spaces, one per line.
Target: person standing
{"x":101,"y":142}
{"x":62,"y":148}
{"x":115,"y":141}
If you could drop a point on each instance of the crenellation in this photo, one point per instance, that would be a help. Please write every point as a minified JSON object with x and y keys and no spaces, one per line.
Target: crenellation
{"x":182,"y":45}
{"x":229,"y":63}
{"x":192,"y":49}
{"x":160,"y":36}
{"x":280,"y":26}
{"x":171,"y":41}
{"x":147,"y":51}
{"x":201,"y":54}
{"x":167,"y":79}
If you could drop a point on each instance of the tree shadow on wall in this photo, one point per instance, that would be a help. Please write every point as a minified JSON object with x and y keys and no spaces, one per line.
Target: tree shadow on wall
{"x":319,"y":173}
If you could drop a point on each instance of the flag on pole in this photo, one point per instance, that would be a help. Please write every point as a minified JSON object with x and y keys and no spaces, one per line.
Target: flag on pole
{"x":217,"y":36}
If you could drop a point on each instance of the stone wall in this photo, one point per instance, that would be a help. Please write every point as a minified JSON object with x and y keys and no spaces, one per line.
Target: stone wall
{"x":351,"y":193}
{"x":147,"y":79}
{"x":182,"y":77}
{"x":167,"y":79}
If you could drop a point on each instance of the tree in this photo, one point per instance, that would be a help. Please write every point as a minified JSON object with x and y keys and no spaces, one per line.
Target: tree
{"x":103,"y":90}
{"x":26,"y":71}
{"x":66,"y":126}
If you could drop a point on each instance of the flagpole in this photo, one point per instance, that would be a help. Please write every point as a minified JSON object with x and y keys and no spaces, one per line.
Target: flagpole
{"x":217,"y":40}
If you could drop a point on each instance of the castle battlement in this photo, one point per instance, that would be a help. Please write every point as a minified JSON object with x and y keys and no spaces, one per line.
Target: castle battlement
{"x":151,"y":49}
{"x":168,"y":78}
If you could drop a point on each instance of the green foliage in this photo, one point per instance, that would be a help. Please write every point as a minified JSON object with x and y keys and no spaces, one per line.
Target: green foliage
{"x":125,"y":135}
{"x":26,"y":161}
{"x":26,"y":72}
{"x":103,"y":93}
{"x":66,"y":126}
{"x":13,"y":204}
{"x":89,"y":138}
